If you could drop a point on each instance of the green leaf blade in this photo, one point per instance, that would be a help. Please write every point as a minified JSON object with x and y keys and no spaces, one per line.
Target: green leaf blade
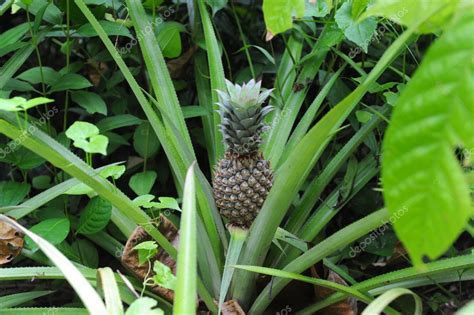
{"x":186,"y":272}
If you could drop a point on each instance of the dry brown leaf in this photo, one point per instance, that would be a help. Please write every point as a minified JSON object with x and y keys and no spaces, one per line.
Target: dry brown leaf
{"x":269,"y":36}
{"x":232,"y":307}
{"x":177,"y":66}
{"x":344,"y":307}
{"x":11,"y":243}
{"x":95,"y":71}
{"x":130,"y":256}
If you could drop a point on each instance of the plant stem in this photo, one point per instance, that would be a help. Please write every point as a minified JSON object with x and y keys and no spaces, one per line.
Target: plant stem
{"x":244,"y":41}
{"x":237,"y":239}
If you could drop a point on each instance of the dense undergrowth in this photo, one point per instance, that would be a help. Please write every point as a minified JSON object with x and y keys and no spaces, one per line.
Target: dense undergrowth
{"x":110,"y":139}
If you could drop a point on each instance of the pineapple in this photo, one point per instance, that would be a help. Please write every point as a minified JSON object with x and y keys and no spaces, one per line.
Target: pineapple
{"x":243,"y":177}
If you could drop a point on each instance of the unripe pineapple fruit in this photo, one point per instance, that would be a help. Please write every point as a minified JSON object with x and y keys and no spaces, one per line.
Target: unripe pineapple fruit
{"x":243,"y":177}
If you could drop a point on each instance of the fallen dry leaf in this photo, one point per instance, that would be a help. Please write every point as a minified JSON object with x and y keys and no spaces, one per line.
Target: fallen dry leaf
{"x":130,"y":256}
{"x":232,"y":307}
{"x":177,"y":66}
{"x":269,"y":36}
{"x":95,"y":71}
{"x":11,"y":243}
{"x":344,"y":307}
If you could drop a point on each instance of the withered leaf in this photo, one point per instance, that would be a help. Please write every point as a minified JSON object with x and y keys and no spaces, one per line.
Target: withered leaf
{"x":177,"y":67}
{"x":11,"y":243}
{"x":344,"y":307}
{"x":232,"y":307}
{"x":130,"y":255}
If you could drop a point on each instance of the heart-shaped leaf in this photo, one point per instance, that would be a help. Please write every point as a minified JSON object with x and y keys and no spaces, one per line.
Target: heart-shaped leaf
{"x":141,"y":183}
{"x":86,"y":137}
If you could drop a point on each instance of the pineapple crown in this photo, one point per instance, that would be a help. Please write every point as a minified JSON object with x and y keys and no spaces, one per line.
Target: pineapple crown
{"x":242,"y":116}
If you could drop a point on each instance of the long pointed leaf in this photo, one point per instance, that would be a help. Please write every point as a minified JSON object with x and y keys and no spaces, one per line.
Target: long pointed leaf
{"x":186,"y":271}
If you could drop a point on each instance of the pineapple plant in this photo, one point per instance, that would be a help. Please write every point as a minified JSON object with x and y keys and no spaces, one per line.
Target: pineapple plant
{"x":243,"y":177}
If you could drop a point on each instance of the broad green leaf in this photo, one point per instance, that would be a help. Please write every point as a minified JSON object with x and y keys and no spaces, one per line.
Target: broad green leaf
{"x":359,"y":33}
{"x":95,"y":144}
{"x":41,"y":182}
{"x":163,"y":277}
{"x":12,"y":193}
{"x":18,"y":85}
{"x":278,"y":15}
{"x":70,"y":81}
{"x":146,"y":201}
{"x":18,"y":103}
{"x":53,"y":230}
{"x":408,"y":13}
{"x":113,"y":171}
{"x":358,"y":6}
{"x":145,"y":141}
{"x":52,"y":14}
{"x":317,"y":8}
{"x":37,"y":74}
{"x":146,"y":251}
{"x":169,"y":38}
{"x":111,"y":28}
{"x":144,"y":305}
{"x":168,"y":203}
{"x":363,"y":116}
{"x":432,"y":117}
{"x":91,"y":102}
{"x":86,"y":137}
{"x":19,"y":156}
{"x":81,"y":130}
{"x":95,"y":216}
{"x":142,"y":183}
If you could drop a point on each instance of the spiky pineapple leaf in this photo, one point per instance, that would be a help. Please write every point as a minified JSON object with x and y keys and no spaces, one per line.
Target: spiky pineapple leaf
{"x":433,"y":117}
